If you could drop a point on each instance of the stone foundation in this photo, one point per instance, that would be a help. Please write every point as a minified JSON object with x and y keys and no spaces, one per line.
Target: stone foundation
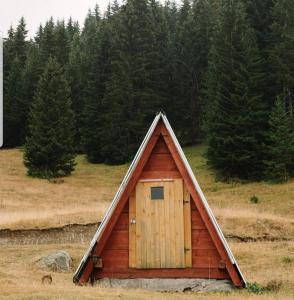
{"x":167,"y":284}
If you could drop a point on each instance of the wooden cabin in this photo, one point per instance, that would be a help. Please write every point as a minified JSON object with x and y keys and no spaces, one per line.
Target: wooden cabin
{"x":159,"y":224}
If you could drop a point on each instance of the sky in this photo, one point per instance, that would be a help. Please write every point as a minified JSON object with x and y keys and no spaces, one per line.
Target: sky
{"x":39,"y":11}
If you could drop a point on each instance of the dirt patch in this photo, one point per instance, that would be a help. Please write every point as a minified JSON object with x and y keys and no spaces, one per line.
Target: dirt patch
{"x":83,"y":233}
{"x":248,"y":239}
{"x":72,"y":233}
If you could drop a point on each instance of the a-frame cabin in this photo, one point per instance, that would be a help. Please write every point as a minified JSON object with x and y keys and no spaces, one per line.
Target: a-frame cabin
{"x":159,"y":224}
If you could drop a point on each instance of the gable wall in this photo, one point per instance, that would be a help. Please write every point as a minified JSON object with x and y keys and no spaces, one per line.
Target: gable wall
{"x":115,"y":255}
{"x":205,"y":258}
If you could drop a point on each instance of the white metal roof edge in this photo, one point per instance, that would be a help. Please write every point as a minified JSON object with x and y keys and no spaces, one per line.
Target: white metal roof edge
{"x":202,"y":197}
{"x":118,"y":193}
{"x":126,"y":180}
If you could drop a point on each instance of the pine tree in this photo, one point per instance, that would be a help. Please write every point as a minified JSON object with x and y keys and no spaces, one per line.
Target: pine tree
{"x":31,"y":75}
{"x":130,"y":94}
{"x":14,"y":106}
{"x":46,"y":41}
{"x":280,"y":148}
{"x":237,"y":117}
{"x":260,"y":18}
{"x":93,"y":87}
{"x":72,"y":28}
{"x":193,"y":43}
{"x":282,"y":51}
{"x":49,"y":146}
{"x":62,"y":43}
{"x":20,"y":43}
{"x":8,"y":54}
{"x":75,"y":77}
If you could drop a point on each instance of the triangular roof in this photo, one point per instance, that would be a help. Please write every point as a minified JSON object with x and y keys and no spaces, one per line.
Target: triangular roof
{"x":192,"y":185}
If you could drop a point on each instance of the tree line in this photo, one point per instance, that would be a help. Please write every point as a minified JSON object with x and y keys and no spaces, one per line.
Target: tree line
{"x":222,"y":71}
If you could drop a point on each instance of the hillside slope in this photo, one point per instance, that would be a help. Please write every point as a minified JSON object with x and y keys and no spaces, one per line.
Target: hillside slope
{"x":261,"y":235}
{"x":83,"y":198}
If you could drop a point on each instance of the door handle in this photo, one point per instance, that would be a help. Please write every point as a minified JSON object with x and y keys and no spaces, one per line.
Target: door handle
{"x":133,"y":221}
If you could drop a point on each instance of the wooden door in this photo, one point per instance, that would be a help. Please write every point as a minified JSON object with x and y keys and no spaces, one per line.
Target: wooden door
{"x":159,"y":224}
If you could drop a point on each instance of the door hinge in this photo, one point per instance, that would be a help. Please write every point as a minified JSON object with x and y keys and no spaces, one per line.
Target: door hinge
{"x":187,"y":249}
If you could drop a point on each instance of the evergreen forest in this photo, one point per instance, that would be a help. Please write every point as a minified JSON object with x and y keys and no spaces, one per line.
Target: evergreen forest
{"x":221,"y":70}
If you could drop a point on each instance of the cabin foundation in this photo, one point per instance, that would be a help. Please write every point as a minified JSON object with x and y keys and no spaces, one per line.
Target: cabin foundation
{"x":168,"y":285}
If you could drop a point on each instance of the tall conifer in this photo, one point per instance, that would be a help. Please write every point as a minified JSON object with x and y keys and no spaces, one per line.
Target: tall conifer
{"x":282,"y":52}
{"x":237,"y":117}
{"x":280,"y":146}
{"x":49,"y":146}
{"x":14,"y":106}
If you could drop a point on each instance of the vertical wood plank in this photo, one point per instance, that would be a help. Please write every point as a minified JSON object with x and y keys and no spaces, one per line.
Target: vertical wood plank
{"x":163,"y":233}
{"x":179,"y":217}
{"x":167,"y":228}
{"x":139,"y":190}
{"x":132,"y":230}
{"x":144,"y":225}
{"x":149,"y":232}
{"x":187,"y":228}
{"x":172,"y":242}
{"x":156,"y":220}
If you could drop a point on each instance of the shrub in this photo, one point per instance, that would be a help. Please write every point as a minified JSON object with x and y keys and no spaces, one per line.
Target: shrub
{"x":254,"y":288}
{"x":254,"y":199}
{"x":287,"y":259}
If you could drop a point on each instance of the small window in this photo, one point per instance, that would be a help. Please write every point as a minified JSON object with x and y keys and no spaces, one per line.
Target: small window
{"x":157,"y":193}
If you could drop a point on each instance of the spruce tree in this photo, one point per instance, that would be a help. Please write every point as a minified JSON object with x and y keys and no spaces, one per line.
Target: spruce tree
{"x":31,"y":75}
{"x":259,"y":15}
{"x":72,"y":28}
{"x":62,"y":43}
{"x":237,"y":117}
{"x":49,"y":146}
{"x":20,"y":43}
{"x":280,"y":147}
{"x":76,"y":79}
{"x":14,"y":106}
{"x":130,"y":97}
{"x":193,"y":43}
{"x":282,"y":51}
{"x":46,"y":41}
{"x":93,"y":87}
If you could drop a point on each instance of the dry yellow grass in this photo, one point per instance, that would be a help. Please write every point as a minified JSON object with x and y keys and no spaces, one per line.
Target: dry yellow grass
{"x":83,"y":197}
{"x":20,"y":278}
{"x":33,"y":203}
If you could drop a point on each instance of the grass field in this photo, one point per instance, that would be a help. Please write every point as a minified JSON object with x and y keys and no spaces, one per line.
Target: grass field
{"x":267,"y":226}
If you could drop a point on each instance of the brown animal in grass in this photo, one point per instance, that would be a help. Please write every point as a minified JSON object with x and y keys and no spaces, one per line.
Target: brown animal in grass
{"x":47,"y":279}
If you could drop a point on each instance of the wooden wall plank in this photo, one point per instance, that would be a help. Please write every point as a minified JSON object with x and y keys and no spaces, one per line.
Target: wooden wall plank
{"x":167,"y":229}
{"x":132,"y":231}
{"x":119,"y":239}
{"x":160,"y":162}
{"x":187,"y":228}
{"x":160,"y":174}
{"x":162,"y":273}
{"x":122,"y":222}
{"x":179,"y":222}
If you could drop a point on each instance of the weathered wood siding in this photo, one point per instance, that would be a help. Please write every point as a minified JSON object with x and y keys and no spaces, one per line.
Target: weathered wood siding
{"x":205,"y":258}
{"x":206,"y":261}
